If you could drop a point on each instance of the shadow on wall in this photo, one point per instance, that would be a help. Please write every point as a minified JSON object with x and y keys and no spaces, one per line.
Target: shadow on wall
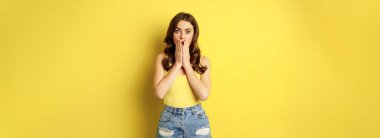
{"x":150,"y":104}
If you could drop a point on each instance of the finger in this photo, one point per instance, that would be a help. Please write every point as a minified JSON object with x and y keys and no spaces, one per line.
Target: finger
{"x":176,"y":43}
{"x":186,"y":48}
{"x":184,"y":51}
{"x":180,"y":52}
{"x":181,"y":49}
{"x":188,"y":43}
{"x":179,"y":44}
{"x":176,"y":49}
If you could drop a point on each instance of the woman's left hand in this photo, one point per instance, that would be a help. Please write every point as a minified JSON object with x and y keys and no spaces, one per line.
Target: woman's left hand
{"x":186,"y":54}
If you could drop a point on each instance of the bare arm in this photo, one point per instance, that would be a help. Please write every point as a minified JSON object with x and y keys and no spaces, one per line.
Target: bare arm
{"x":201,"y":86}
{"x":161,"y":82}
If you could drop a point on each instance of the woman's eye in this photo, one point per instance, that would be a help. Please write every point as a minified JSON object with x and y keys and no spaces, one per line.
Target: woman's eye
{"x":187,"y":32}
{"x":176,"y":31}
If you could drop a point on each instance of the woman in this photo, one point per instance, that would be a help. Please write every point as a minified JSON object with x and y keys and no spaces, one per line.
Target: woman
{"x":182,"y":80}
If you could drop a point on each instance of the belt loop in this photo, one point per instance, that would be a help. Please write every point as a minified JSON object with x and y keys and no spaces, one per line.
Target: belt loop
{"x":172,"y":110}
{"x":193,"y":110}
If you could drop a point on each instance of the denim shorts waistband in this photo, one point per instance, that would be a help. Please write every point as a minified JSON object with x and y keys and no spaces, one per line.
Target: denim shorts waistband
{"x":178,"y":110}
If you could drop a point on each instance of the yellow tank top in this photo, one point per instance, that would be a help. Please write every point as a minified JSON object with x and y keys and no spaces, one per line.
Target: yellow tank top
{"x":180,"y":94}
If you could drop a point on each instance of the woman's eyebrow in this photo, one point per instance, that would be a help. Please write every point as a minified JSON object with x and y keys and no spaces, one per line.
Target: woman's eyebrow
{"x":185,"y":29}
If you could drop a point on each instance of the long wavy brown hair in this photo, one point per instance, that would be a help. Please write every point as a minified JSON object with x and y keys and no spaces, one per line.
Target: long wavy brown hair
{"x":195,"y":52}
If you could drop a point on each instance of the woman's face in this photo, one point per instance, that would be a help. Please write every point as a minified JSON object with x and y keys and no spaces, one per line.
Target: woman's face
{"x":183,"y":33}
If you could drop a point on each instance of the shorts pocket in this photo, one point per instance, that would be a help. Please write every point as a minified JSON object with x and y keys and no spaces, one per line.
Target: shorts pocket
{"x":165,"y":116}
{"x":201,"y":114}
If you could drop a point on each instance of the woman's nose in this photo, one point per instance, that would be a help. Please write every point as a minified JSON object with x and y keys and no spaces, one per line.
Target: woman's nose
{"x":182,"y":35}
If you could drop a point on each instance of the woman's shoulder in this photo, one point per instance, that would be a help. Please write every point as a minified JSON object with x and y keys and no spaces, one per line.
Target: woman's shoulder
{"x":205,"y":60}
{"x":160,"y":56}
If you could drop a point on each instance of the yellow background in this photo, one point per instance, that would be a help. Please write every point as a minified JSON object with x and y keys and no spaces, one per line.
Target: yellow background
{"x":280,"y":69}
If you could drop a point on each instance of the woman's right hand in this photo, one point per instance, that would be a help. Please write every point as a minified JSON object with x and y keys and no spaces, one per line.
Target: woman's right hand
{"x":178,"y":53}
